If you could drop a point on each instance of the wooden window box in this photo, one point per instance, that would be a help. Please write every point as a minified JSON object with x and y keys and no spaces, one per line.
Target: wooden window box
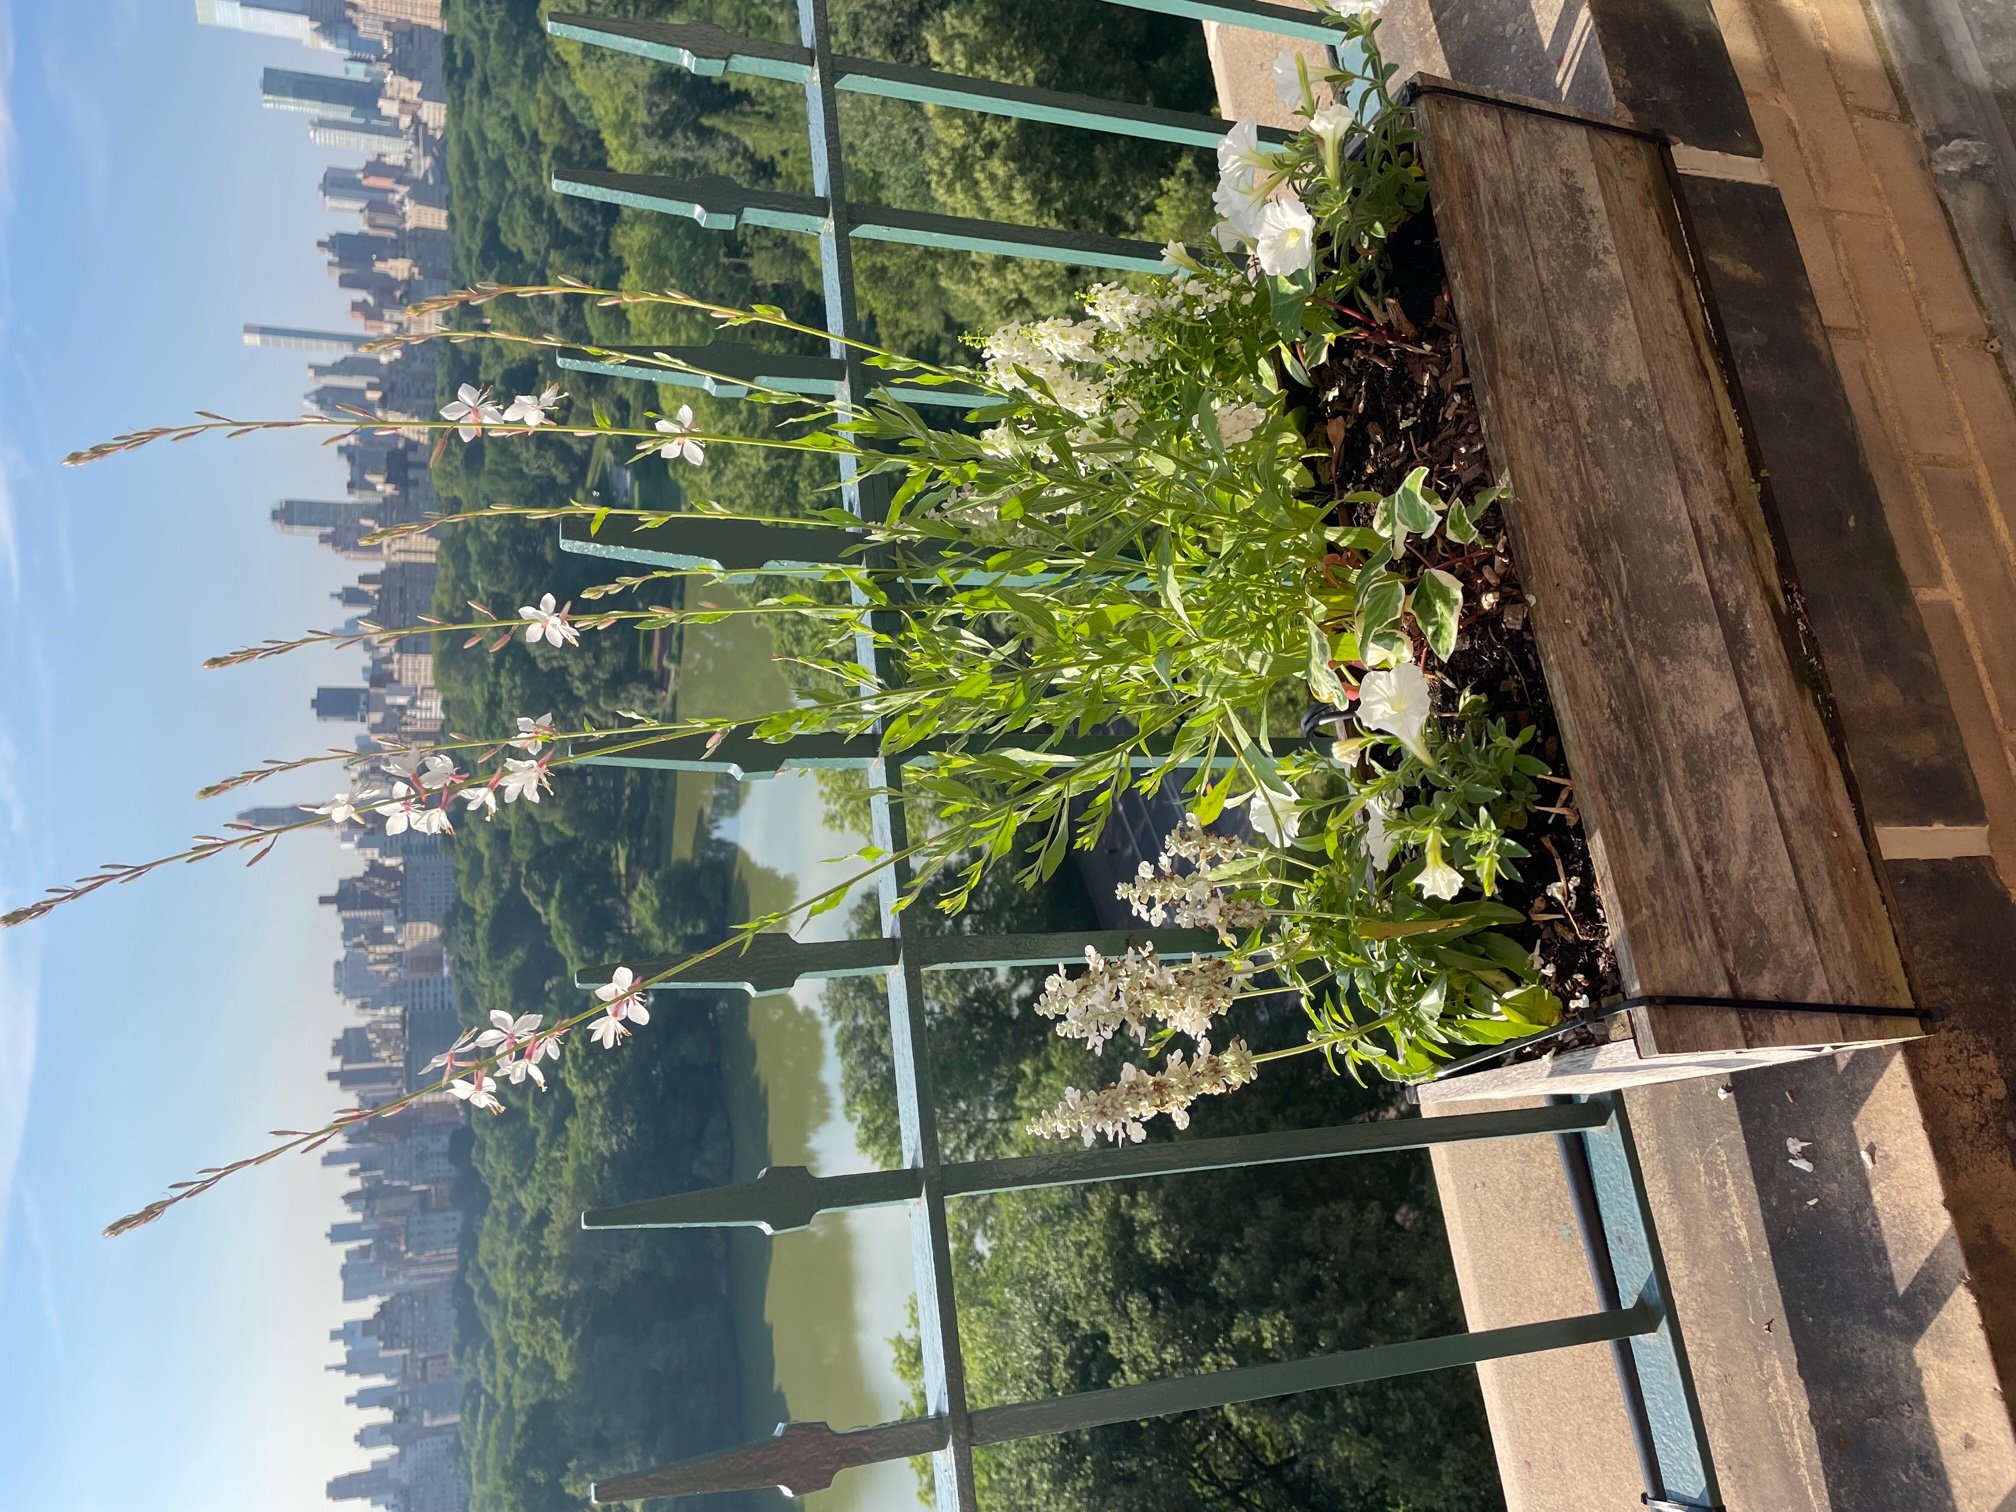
{"x":1732,"y":860}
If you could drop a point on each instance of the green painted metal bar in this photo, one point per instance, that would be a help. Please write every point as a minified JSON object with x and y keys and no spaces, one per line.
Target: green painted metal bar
{"x":1223,"y":1388}
{"x":775,"y":962}
{"x":730,"y":370}
{"x":798,"y":1459}
{"x":1251,"y":15}
{"x":714,"y":541}
{"x":786,"y":1198}
{"x":804,"y":1457}
{"x":719,"y":205}
{"x":781,"y":1200}
{"x":706,"y":49}
{"x":1672,"y":1409}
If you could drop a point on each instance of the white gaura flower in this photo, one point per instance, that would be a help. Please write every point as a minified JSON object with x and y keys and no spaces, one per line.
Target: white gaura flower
{"x":344,"y":807}
{"x":399,"y":810}
{"x":534,"y":733}
{"x":529,"y":410}
{"x":682,"y":446}
{"x":506,"y":1033}
{"x":515,"y":1072}
{"x":476,"y":1091}
{"x":431,"y":821}
{"x":522,"y":779}
{"x":1438,"y":878}
{"x":1394,"y":701}
{"x":1289,"y":86}
{"x":484,"y":798}
{"x":1285,"y":236}
{"x":608,"y":1032}
{"x":473,"y":408}
{"x":437,"y":772}
{"x":623,"y":997}
{"x":546,"y":621}
{"x":449,"y":1058}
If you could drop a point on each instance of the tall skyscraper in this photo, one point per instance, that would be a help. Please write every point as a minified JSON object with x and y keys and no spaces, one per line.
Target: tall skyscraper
{"x":334,"y":96}
{"x":291,"y":339}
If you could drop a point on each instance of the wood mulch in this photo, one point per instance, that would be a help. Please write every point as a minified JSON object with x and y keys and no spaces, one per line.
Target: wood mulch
{"x":1396,"y":396}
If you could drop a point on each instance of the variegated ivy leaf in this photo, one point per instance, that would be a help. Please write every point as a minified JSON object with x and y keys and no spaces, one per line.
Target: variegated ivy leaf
{"x":1437,"y":603}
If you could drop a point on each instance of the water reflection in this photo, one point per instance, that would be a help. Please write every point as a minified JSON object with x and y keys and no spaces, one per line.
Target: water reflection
{"x":814,"y":1310}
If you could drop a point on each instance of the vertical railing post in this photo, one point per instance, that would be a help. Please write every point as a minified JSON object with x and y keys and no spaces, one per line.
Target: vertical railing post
{"x":930,"y":1241}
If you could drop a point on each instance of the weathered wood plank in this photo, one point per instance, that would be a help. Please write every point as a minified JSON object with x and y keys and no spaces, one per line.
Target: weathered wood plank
{"x":1731,"y":859}
{"x":1831,"y":867}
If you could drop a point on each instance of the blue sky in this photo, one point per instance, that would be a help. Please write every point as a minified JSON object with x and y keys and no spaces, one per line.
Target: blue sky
{"x":150,"y":208}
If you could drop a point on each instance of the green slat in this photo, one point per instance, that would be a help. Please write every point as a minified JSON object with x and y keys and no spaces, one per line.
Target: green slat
{"x":786,"y":1198}
{"x":693,"y":45}
{"x":1128,"y":1404}
{"x":720,"y":205}
{"x":1251,"y":15}
{"x":713,"y":541}
{"x":705,"y":49}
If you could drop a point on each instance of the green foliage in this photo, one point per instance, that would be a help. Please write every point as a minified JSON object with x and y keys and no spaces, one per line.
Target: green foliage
{"x":1079,"y":1288}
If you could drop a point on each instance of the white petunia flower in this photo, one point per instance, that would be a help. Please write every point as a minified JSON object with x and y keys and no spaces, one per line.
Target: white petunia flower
{"x":1394,"y":701}
{"x":1288,"y":66}
{"x":1438,"y":878}
{"x":1378,"y":841}
{"x":546,"y":621}
{"x":472,"y":406}
{"x":1274,"y":815}
{"x":1285,"y":236}
{"x":1329,"y":126}
{"x":522,"y":779}
{"x":1240,"y":151}
{"x":530,"y":410}
{"x":681,"y":446}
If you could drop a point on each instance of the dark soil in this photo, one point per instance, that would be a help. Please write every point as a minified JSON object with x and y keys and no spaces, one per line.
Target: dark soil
{"x":1396,"y":396}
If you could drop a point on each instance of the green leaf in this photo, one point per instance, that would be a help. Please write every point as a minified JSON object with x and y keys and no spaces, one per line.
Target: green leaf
{"x":1165,"y":573}
{"x":1532,"y":1004}
{"x":1438,"y":610}
{"x":595,"y":520}
{"x":1460,"y":524}
{"x":1211,"y":803}
{"x":1413,"y":507}
{"x":1379,"y":605}
{"x":1324,"y":685}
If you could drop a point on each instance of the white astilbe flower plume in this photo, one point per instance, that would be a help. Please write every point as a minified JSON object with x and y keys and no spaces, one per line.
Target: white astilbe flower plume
{"x":1129,"y":990}
{"x":1120,"y":1112}
{"x":1160,"y":891}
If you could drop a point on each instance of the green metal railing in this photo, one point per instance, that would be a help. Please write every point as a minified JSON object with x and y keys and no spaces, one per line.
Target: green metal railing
{"x":1594,"y":1133}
